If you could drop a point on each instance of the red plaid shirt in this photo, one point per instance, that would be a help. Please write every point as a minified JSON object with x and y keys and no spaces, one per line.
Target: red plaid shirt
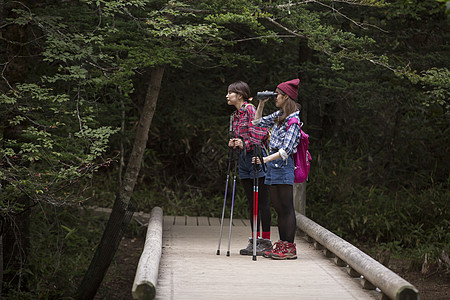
{"x":243,"y":127}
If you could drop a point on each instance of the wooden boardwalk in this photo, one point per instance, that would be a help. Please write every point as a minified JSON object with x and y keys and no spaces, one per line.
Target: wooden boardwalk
{"x":190,"y":269}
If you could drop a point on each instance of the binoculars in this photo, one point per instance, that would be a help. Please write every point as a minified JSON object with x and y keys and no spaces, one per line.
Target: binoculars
{"x":264,"y":95}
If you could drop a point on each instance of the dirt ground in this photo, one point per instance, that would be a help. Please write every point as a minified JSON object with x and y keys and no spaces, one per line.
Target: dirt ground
{"x":119,"y":280}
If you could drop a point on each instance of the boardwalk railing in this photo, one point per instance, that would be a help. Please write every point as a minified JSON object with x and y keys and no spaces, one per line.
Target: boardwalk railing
{"x":144,"y":285}
{"x":372,"y":273}
{"x":359,"y":263}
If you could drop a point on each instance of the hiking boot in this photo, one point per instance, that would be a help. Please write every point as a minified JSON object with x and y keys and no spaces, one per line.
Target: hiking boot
{"x":262,"y":246}
{"x":249,"y":249}
{"x":288,"y":251}
{"x":276,"y":247}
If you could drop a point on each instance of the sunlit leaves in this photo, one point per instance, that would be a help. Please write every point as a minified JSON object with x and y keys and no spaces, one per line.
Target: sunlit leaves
{"x":98,"y":139}
{"x":438,"y":81}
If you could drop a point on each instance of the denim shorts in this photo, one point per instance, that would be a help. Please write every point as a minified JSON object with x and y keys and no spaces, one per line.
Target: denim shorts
{"x":280,"y":171}
{"x":246,"y":167}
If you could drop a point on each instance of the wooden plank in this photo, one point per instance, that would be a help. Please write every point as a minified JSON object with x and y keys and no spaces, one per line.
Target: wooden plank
{"x":191,"y":221}
{"x":214,"y":221}
{"x":168,"y":221}
{"x":180,"y":220}
{"x":246,"y":222}
{"x":238,"y":222}
{"x":203,"y":221}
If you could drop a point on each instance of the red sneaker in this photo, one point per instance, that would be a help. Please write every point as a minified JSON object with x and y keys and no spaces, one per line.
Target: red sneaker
{"x":288,"y":251}
{"x":276,"y":247}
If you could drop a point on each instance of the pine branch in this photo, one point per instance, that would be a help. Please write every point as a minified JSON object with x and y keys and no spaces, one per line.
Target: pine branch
{"x":284,"y":27}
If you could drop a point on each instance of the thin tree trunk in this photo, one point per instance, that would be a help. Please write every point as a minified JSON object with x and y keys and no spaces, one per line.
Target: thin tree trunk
{"x":122,"y":150}
{"x":140,"y":142}
{"x":119,"y":219}
{"x":1,"y":220}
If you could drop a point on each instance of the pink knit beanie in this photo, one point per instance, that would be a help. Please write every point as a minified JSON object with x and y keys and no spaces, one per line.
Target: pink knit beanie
{"x":290,"y":88}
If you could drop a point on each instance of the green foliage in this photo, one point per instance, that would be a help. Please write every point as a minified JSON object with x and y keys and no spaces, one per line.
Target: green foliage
{"x":381,"y":175}
{"x":415,"y":9}
{"x":40,"y":159}
{"x":374,"y":214}
{"x":436,"y":81}
{"x":61,"y":249}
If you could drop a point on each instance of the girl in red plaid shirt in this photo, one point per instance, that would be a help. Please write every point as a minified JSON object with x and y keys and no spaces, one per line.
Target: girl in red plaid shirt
{"x":245,"y":138}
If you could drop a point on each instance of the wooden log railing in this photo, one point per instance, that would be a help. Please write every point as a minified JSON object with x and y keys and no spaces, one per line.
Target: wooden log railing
{"x":372,"y":273}
{"x":144,"y":285}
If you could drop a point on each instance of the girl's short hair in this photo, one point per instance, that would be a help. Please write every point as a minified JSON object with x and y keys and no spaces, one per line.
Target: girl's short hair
{"x":241,"y":88}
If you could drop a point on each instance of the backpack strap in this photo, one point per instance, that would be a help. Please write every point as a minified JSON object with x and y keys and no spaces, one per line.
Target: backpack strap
{"x":294,"y":120}
{"x":244,"y":106}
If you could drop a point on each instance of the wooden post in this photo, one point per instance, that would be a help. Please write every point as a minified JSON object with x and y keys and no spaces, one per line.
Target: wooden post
{"x":328,"y":253}
{"x":339,"y":262}
{"x":353,"y":273}
{"x":300,"y":197}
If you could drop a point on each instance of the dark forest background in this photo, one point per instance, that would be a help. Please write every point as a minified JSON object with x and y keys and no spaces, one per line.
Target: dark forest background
{"x":80,"y":78}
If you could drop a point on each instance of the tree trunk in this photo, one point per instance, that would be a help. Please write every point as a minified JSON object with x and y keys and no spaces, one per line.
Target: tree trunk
{"x":120,"y":215}
{"x":140,"y":143}
{"x":122,"y":149}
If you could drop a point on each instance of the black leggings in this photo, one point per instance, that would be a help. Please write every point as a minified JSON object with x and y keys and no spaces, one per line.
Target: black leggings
{"x":264,"y":215}
{"x":283,"y":201}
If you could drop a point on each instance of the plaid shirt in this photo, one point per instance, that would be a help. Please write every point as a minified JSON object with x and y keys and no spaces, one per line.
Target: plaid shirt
{"x":243,"y":127}
{"x":280,"y":137}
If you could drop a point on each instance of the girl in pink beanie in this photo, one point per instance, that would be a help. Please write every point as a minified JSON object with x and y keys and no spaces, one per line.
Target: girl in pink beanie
{"x":280,"y":165}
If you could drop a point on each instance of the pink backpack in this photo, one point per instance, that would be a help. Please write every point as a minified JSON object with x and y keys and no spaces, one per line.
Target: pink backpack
{"x":302,"y":159}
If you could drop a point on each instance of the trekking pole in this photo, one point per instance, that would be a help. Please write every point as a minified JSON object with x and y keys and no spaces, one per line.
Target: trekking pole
{"x":224,"y":199}
{"x":226,"y":186}
{"x":255,"y":205}
{"x":236,"y":156}
{"x":258,"y":153}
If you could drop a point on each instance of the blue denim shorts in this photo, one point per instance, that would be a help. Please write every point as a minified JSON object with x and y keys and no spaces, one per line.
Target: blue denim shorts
{"x":280,"y":171}
{"x":246,"y":167}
